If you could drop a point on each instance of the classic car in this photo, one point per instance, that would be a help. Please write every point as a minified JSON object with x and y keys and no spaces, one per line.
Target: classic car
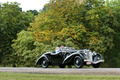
{"x":70,"y":56}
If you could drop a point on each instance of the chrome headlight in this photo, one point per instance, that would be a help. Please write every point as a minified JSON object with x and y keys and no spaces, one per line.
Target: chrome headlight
{"x":94,"y":53}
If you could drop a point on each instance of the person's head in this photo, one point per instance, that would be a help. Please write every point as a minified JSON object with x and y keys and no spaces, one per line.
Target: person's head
{"x":56,"y":48}
{"x":62,"y":46}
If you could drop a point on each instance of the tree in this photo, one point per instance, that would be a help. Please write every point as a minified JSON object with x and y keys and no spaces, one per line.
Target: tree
{"x":89,"y":23}
{"x":46,"y":7}
{"x":22,"y":48}
{"x":112,"y":55}
{"x":35,"y":12}
{"x":12,"y":21}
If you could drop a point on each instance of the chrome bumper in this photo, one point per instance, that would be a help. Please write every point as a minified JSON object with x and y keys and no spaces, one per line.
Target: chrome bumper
{"x":94,"y":62}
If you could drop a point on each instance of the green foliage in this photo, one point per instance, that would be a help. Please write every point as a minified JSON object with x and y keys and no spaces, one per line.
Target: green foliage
{"x":12,"y":21}
{"x":35,"y":12}
{"x":101,"y":22}
{"x":88,"y":23}
{"x":24,"y":41}
{"x":23,"y":47}
{"x":112,"y":55}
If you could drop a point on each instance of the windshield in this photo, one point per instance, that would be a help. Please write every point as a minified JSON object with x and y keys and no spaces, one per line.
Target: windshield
{"x":87,"y":51}
{"x":68,"y":48}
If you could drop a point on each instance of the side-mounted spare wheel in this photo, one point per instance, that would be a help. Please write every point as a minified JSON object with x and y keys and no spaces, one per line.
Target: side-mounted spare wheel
{"x":66,"y":55}
{"x":44,"y":63}
{"x":78,"y":62}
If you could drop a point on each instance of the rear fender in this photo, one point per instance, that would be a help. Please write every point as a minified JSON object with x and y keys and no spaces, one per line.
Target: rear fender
{"x":38,"y":62}
{"x":71,"y":56}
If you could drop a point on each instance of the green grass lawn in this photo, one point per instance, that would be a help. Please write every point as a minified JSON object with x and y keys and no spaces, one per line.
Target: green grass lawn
{"x":27,"y":76}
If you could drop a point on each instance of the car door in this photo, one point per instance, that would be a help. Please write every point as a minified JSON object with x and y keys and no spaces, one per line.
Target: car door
{"x":57,"y":58}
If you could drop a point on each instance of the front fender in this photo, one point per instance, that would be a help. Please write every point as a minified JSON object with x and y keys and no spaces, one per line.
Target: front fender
{"x":71,"y":56}
{"x":97,"y":59}
{"x":98,"y":56}
{"x":38,"y":62}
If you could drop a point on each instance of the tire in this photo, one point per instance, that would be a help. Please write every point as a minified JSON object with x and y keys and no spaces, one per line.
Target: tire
{"x":96,"y":65}
{"x":44,"y":63}
{"x":62,"y":66}
{"x":78,"y":62}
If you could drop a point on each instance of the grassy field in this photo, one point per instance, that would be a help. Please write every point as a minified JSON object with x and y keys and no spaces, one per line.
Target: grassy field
{"x":27,"y":76}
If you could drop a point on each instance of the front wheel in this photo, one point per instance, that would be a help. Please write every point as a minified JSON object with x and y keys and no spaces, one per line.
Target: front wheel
{"x":96,"y":65}
{"x":44,"y":63}
{"x":78,"y":62}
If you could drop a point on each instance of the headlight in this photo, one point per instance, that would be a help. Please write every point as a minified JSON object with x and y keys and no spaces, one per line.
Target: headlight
{"x":98,"y":58}
{"x":94,"y":53}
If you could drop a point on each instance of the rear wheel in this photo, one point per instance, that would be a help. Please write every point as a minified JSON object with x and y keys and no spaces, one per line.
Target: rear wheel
{"x":78,"y":62}
{"x":44,"y":63}
{"x":96,"y":65}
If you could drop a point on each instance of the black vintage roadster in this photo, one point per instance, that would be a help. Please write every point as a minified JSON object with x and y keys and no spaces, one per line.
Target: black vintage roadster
{"x":70,"y":56}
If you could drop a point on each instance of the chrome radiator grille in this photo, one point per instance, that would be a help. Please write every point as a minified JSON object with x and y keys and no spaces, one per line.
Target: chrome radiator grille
{"x":88,"y":54}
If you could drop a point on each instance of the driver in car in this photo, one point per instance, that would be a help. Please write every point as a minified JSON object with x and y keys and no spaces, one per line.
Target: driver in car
{"x":58,"y":49}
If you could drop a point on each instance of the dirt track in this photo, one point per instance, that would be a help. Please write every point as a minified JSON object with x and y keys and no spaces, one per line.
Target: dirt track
{"x":81,"y":71}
